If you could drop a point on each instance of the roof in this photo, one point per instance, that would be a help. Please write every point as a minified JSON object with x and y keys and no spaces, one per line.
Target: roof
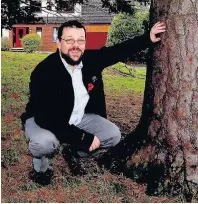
{"x":92,"y":13}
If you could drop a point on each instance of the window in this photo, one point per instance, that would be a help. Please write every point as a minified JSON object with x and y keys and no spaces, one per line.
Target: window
{"x":39,"y":31}
{"x":27,"y":30}
{"x":64,"y":6}
{"x":55,"y":34}
{"x":20,"y":33}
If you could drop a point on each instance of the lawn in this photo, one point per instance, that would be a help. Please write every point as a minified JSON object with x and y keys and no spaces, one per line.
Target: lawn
{"x":124,"y":99}
{"x":115,"y":82}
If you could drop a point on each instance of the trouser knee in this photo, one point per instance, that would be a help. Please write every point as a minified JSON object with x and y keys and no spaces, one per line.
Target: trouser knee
{"x":114,"y":136}
{"x":45,"y":147}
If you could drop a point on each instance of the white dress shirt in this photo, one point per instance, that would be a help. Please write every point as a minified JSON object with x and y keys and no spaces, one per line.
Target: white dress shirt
{"x":81,"y":95}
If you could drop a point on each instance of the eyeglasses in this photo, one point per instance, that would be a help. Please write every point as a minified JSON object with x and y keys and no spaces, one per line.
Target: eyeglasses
{"x":72,"y":41}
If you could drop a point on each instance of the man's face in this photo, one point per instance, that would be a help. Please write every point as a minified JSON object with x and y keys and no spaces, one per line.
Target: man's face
{"x":73,"y":50}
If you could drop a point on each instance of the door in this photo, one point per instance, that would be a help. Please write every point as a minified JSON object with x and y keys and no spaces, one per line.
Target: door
{"x":20,"y":32}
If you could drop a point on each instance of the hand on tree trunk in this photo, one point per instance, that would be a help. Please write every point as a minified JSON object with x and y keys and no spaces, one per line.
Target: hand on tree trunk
{"x":156,"y":29}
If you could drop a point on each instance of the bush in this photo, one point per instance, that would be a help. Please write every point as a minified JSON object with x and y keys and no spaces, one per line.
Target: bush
{"x":31,"y":42}
{"x":5,"y":44}
{"x":125,"y":26}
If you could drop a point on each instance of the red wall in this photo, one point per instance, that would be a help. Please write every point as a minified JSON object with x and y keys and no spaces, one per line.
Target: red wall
{"x":96,"y":40}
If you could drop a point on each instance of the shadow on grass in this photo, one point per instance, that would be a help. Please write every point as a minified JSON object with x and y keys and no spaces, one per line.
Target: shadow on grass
{"x":115,"y":160}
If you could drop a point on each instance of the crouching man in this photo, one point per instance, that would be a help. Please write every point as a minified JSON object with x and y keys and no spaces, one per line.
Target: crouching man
{"x":67,"y":102}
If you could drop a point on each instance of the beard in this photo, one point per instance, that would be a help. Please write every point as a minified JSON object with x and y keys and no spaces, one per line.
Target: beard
{"x":69,"y":60}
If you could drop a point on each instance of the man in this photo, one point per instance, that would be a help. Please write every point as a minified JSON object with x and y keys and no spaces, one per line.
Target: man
{"x":67,"y":103}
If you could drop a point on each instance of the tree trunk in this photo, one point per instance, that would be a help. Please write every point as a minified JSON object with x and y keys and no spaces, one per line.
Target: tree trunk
{"x":164,"y":146}
{"x":170,"y":108}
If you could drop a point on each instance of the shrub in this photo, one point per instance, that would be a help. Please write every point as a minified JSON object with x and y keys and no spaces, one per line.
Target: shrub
{"x":5,"y":44}
{"x":125,"y":26}
{"x":31,"y":42}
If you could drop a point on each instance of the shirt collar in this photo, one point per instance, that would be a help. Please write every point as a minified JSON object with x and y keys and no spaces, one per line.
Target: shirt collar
{"x":67,"y":66}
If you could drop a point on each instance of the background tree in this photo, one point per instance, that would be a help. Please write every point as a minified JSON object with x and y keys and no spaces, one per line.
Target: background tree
{"x":125,"y":26}
{"x":12,"y":12}
{"x":164,"y":147}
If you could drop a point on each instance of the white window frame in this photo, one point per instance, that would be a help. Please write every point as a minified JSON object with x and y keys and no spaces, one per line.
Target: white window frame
{"x":54,"y":34}
{"x":40,"y":31}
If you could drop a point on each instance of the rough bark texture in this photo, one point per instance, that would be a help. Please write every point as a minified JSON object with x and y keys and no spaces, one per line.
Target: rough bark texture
{"x":164,"y":146}
{"x":170,"y":108}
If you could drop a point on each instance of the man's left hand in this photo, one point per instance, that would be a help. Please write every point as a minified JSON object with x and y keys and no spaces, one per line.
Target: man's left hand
{"x":95,"y":144}
{"x":159,"y":27}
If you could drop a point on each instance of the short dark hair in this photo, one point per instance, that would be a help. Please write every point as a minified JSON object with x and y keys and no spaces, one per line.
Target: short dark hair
{"x":70,"y":24}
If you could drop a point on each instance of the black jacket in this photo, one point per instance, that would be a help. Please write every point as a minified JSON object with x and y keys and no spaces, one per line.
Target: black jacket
{"x":51,"y":92}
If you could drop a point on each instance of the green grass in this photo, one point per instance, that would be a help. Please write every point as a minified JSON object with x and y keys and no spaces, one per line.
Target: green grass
{"x":17,"y":67}
{"x":122,"y":85}
{"x":16,"y":70}
{"x":119,"y":84}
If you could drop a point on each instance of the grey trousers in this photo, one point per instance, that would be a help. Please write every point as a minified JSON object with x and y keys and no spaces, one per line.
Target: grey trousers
{"x":43,"y":142}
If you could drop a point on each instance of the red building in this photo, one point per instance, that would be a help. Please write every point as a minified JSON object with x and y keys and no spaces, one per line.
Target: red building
{"x":95,"y":19}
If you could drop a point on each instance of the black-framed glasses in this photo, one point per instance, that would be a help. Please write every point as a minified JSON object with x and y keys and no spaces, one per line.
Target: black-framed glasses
{"x":72,"y":41}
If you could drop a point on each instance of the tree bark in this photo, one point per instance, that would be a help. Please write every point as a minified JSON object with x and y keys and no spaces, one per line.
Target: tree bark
{"x":164,"y":146}
{"x":170,"y":107}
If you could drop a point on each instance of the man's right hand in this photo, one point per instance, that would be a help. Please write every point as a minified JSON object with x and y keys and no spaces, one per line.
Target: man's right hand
{"x":95,"y":144}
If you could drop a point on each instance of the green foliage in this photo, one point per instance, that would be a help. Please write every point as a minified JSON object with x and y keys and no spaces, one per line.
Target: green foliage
{"x":123,"y":27}
{"x":126,"y":26}
{"x":5,"y":44}
{"x":31,"y":42}
{"x":13,"y":13}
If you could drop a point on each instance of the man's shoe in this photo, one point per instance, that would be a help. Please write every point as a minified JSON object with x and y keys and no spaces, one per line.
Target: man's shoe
{"x":42,"y":178}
